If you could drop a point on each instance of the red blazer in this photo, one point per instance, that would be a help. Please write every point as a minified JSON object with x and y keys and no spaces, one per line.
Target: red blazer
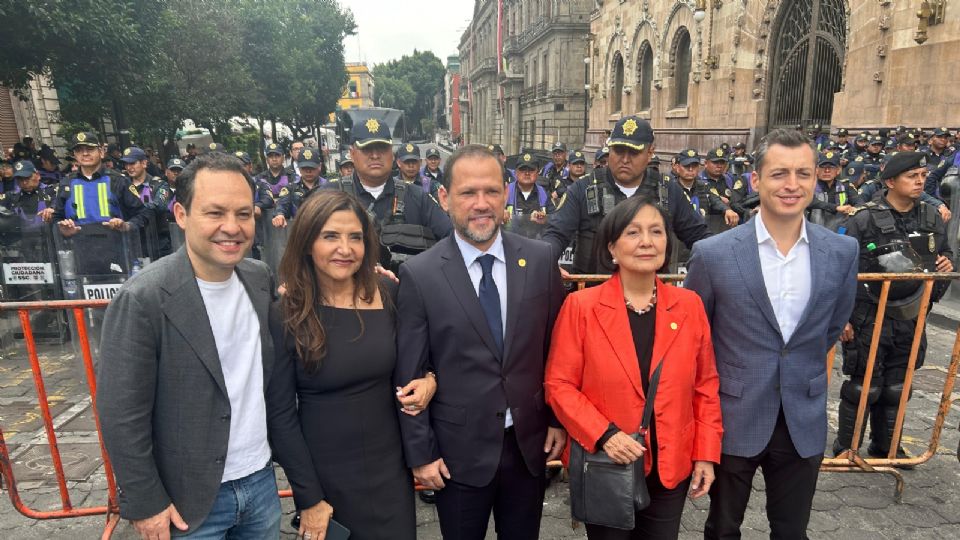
{"x":593,"y":376}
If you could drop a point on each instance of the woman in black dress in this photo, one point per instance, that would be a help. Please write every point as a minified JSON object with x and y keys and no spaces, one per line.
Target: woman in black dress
{"x":339,"y":353}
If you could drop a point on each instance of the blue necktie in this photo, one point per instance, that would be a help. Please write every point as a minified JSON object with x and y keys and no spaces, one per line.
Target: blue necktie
{"x":490,"y":300}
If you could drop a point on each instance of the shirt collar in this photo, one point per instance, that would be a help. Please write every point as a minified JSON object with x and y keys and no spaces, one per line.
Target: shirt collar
{"x":470,"y":253}
{"x":764,"y":236}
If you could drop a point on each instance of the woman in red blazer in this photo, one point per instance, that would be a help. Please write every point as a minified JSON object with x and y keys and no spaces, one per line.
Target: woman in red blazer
{"x":606,"y":343}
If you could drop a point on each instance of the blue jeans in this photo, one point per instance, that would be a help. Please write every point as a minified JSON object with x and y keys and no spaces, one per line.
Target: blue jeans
{"x":245,"y":509}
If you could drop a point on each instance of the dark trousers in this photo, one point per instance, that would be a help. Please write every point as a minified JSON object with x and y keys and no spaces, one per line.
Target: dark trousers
{"x":790,"y":482}
{"x":659,"y":521}
{"x":515,"y":496}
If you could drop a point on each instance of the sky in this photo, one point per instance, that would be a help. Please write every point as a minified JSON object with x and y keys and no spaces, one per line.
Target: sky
{"x":386,"y":30}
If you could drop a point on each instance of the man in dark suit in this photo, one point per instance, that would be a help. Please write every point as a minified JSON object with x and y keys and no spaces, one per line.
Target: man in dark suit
{"x":185,"y":392}
{"x":482,"y":324}
{"x":778,"y":290}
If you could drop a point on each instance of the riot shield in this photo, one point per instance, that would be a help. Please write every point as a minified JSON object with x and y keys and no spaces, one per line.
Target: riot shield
{"x":274,"y":244}
{"x":29,"y":274}
{"x":94,"y":262}
{"x":950,"y":192}
{"x":524,"y":225}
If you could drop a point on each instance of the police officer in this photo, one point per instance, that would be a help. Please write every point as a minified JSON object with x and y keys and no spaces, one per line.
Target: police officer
{"x":94,"y":193}
{"x":391,"y":204}
{"x":833,"y":198}
{"x":275,"y":176}
{"x":32,"y":200}
{"x":432,"y":167}
{"x":587,"y":201}
{"x":295,"y":148}
{"x":345,"y":165}
{"x":872,"y":187}
{"x":557,"y":168}
{"x":819,"y":138}
{"x":8,"y":184}
{"x":509,"y":175}
{"x":49,"y":170}
{"x":292,"y":196}
{"x":715,"y":175}
{"x":114,"y":155}
{"x":906,"y":143}
{"x":135,"y":164}
{"x":528,"y":203}
{"x":703,"y":200}
{"x":191,"y":153}
{"x":897,"y":232}
{"x":939,"y":148}
{"x":843,"y":142}
{"x":740,"y":161}
{"x":408,"y":161}
{"x":600,"y":157}
{"x":576,"y":168}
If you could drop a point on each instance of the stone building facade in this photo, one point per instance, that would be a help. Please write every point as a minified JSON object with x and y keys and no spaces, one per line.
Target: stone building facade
{"x":710,"y":71}
{"x":34,"y":113}
{"x":522,"y":67}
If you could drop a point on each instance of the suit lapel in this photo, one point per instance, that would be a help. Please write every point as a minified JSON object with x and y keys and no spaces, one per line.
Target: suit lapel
{"x":669,"y":324}
{"x":516,"y":282}
{"x":748,"y":261}
{"x":612,"y":315}
{"x":455,"y":271}
{"x":185,"y":310}
{"x":260,"y":297}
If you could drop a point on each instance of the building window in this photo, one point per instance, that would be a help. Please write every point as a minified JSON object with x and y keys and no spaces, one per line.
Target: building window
{"x":616,"y":92}
{"x":645,"y":76}
{"x":546,"y":69}
{"x":352,"y":88}
{"x":682,"y":61}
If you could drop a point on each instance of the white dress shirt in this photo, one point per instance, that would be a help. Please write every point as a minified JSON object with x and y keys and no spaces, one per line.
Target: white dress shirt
{"x":499,"y":271}
{"x":786,"y":277}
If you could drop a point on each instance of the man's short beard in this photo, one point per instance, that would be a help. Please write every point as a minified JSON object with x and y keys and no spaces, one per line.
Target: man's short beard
{"x":473,"y":237}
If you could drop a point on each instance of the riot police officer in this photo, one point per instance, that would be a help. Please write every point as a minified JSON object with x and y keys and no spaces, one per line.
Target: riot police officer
{"x":409,"y":220}
{"x":873,"y":186}
{"x":576,"y":169}
{"x":939,"y":149}
{"x":600,"y":157}
{"x":345,"y":165}
{"x":509,"y":175}
{"x":843,"y":142}
{"x":587,"y":201}
{"x":8,"y":184}
{"x":715,"y":174}
{"x":275,"y":175}
{"x":833,"y":198}
{"x":704,"y":201}
{"x":557,"y":168}
{"x":94,"y":193}
{"x":292,"y":196}
{"x":32,"y":200}
{"x":135,"y":164}
{"x":50,"y":174}
{"x":528,"y":203}
{"x":897,"y":232}
{"x":432,"y":167}
{"x":408,"y":161}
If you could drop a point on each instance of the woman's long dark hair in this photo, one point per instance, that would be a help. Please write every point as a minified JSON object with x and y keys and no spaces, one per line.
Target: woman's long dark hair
{"x":303,"y":296}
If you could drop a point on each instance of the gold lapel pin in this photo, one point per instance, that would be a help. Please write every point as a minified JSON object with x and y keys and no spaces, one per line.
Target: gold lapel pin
{"x":673,"y":326}
{"x":522,"y":263}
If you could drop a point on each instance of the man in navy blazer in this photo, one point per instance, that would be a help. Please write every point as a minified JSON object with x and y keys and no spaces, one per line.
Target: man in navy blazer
{"x":778,"y":291}
{"x":478,"y":309}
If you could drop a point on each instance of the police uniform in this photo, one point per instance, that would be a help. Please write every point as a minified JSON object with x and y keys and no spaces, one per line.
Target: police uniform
{"x":703,"y":200}
{"x":560,"y":182}
{"x":292,"y":196}
{"x":276,"y":183}
{"x":26,"y":204}
{"x":408,"y":152}
{"x":436,"y":177}
{"x":889,"y":241}
{"x":550,"y":171}
{"x":828,"y":196}
{"x":586,"y":202}
{"x":723,"y":185}
{"x":521,"y":206}
{"x":933,"y":158}
{"x":398,"y":204}
{"x":106,"y":195}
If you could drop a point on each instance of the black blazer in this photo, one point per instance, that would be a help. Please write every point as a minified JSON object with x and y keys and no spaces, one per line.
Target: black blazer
{"x":442,"y":327}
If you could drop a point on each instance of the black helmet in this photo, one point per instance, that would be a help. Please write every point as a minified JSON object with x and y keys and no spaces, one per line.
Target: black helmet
{"x":897,"y":256}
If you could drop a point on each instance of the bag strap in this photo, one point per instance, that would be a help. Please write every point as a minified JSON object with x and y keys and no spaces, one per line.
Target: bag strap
{"x":651,"y":394}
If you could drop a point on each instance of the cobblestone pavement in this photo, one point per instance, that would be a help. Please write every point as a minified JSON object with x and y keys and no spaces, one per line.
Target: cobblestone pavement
{"x":847,"y":506}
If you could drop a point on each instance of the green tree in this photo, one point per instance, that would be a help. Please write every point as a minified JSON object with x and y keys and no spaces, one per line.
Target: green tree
{"x":395,"y":93}
{"x":423,"y":72}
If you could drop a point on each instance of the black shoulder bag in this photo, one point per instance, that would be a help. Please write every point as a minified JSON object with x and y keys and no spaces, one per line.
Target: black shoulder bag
{"x":603,"y":492}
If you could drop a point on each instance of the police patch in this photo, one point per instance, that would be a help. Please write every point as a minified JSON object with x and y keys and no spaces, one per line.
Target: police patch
{"x":307,"y":154}
{"x":714,"y":191}
{"x":629,"y":127}
{"x":81,"y":137}
{"x":691,"y":153}
{"x":372,"y":125}
{"x":213,"y":146}
{"x":409,"y":148}
{"x":18,"y":166}
{"x":719,"y":152}
{"x":738,"y":184}
{"x":283,"y":192}
{"x":526,"y":157}
{"x":931,"y":244}
{"x":134,"y":190}
{"x":829,"y":155}
{"x":126,"y":152}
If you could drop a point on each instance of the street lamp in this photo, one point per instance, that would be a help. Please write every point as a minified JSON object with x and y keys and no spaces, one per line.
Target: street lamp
{"x":700,"y":11}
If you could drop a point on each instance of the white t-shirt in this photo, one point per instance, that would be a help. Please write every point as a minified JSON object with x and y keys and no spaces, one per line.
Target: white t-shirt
{"x":375,"y":191}
{"x":628,"y":191}
{"x":236,"y":330}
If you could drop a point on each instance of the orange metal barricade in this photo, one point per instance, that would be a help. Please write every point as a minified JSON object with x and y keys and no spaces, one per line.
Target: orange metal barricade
{"x":849,"y":461}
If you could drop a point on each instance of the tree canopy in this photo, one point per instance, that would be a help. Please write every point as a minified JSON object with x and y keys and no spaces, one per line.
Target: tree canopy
{"x":422,"y":73}
{"x":150,"y":64}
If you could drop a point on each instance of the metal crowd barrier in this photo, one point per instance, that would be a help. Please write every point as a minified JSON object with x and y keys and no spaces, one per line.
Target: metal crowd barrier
{"x":849,"y":461}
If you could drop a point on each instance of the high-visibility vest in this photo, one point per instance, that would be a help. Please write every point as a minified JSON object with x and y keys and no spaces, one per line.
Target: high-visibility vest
{"x":91,"y":201}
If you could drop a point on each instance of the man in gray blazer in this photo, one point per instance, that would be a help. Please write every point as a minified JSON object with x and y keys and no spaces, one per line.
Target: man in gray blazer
{"x":184,"y":380}
{"x":778,"y":291}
